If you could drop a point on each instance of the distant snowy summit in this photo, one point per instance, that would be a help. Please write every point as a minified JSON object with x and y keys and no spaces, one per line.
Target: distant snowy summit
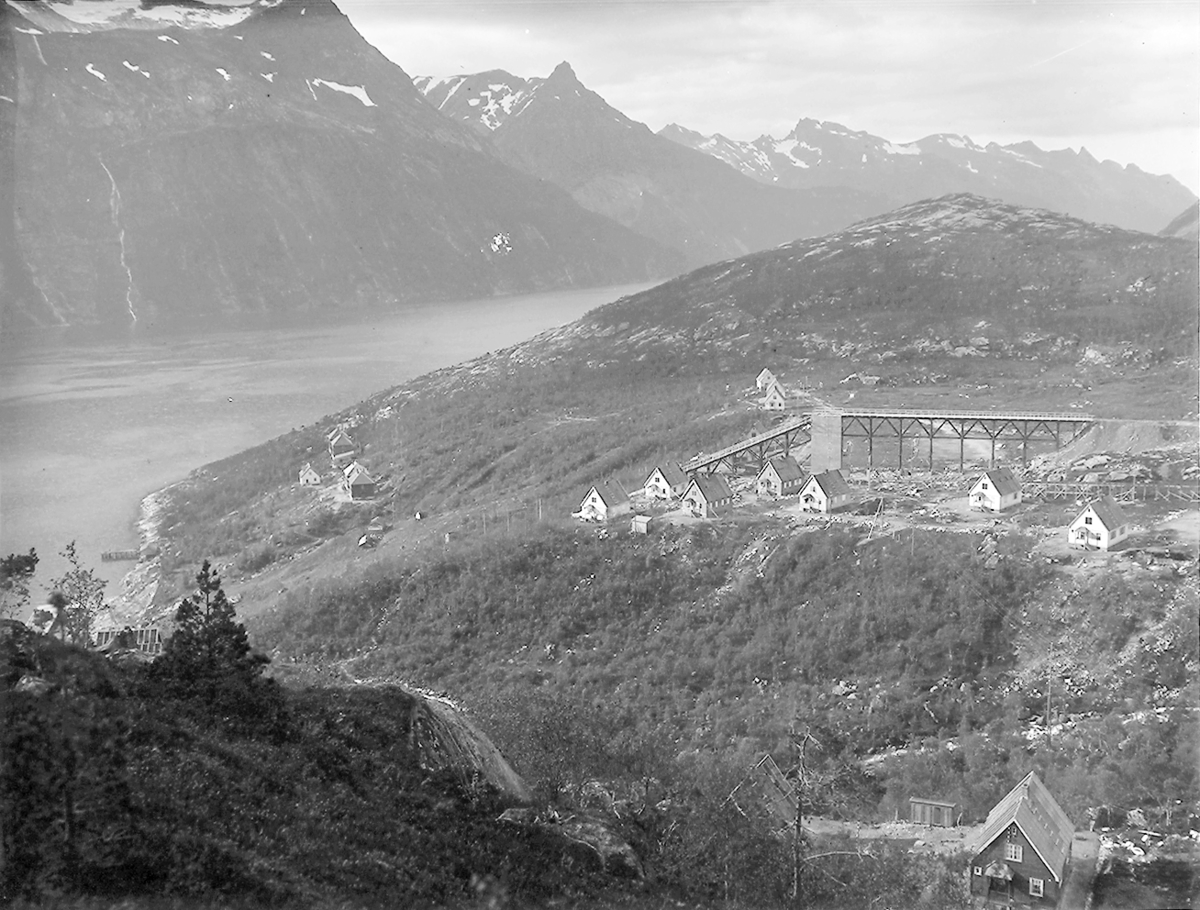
{"x":95,"y":15}
{"x":823,"y":153}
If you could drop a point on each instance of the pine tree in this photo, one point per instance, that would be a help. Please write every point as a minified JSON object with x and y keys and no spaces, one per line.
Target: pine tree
{"x":209,"y":654}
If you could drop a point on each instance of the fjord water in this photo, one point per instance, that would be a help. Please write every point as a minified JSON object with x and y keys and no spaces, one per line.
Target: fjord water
{"x":88,"y":429}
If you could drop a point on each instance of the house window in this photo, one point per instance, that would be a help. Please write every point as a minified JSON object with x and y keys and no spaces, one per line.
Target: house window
{"x":978,"y":870}
{"x":1121,"y":530}
{"x":1037,"y":887}
{"x":983,"y":486}
{"x":1014,"y":853}
{"x":1087,"y":519}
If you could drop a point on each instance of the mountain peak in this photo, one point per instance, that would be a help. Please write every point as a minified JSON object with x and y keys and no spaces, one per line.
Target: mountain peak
{"x":563,"y":72}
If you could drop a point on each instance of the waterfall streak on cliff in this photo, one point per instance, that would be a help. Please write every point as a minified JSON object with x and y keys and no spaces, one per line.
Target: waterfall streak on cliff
{"x":114,"y":205}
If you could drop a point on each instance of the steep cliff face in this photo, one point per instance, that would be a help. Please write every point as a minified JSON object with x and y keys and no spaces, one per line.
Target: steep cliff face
{"x":179,"y":163}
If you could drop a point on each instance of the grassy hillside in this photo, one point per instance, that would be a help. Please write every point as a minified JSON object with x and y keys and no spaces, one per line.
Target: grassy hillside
{"x":723,"y":639}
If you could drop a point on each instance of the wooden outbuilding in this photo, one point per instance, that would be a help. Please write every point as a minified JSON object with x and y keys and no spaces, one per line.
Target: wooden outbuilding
{"x":640,"y":524}
{"x":707,"y":495}
{"x":309,"y":476}
{"x":995,"y":491}
{"x":825,"y":492}
{"x":605,"y":500}
{"x":934,"y":812}
{"x":341,"y":446}
{"x":667,"y":481}
{"x":1100,"y":526}
{"x":1020,"y":857}
{"x":779,"y":477}
{"x":764,"y":380}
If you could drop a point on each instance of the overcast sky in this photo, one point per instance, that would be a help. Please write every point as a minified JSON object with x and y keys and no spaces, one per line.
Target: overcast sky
{"x":1121,"y":78}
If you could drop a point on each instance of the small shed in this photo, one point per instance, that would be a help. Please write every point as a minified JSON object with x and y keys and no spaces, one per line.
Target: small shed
{"x":779,"y":477}
{"x":309,"y":476}
{"x":765,"y":380}
{"x":1020,"y":857}
{"x":707,"y":495}
{"x":825,"y":492}
{"x":934,"y":812}
{"x":605,"y":500}
{"x":1100,"y":525}
{"x":640,"y":524}
{"x":995,"y":491}
{"x":667,"y":481}
{"x":361,"y":485}
{"x":776,"y":398}
{"x":341,"y":446}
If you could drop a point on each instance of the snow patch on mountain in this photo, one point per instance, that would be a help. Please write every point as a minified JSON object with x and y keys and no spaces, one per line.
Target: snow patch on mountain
{"x":97,"y":15}
{"x":355,"y":91}
{"x":167,"y":38}
{"x":270,"y":77}
{"x":95,"y":72}
{"x":224,"y":73}
{"x":911,"y":148}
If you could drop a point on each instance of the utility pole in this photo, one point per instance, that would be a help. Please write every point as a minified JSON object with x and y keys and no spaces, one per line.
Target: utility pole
{"x":801,"y":742}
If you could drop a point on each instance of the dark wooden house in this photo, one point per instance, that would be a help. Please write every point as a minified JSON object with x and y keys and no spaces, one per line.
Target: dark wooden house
{"x":1020,"y":857}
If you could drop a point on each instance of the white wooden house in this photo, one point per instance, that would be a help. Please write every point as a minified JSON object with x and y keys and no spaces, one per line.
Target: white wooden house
{"x":309,"y":476}
{"x":708,"y":495}
{"x":1099,"y":526}
{"x":604,"y":501}
{"x":995,"y":491}
{"x":352,"y":467}
{"x":764,"y":380}
{"x":825,"y":492}
{"x":776,"y":398}
{"x":779,"y":477}
{"x":667,"y":481}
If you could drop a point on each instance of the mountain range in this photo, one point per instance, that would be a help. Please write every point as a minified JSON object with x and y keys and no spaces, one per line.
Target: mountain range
{"x":815,"y":155}
{"x":257,"y":160}
{"x":559,"y":130}
{"x":201,"y":163}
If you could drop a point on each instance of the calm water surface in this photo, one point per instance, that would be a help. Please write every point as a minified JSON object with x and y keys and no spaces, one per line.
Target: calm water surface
{"x":87,"y":430}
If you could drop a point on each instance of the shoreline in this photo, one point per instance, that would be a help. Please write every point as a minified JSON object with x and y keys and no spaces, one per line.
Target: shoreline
{"x":134,"y":604}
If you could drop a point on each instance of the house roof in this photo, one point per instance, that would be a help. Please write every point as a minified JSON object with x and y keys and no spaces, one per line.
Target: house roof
{"x":354,"y":471}
{"x":1107,"y":511}
{"x":610,"y":491}
{"x":775,"y":387}
{"x":832,"y":483}
{"x":341,"y":436}
{"x":713,"y":487}
{"x":1045,"y":825}
{"x":785,"y":468}
{"x":1003,"y":481}
{"x":765,"y":376}
{"x":672,"y":473}
{"x":360,"y":476}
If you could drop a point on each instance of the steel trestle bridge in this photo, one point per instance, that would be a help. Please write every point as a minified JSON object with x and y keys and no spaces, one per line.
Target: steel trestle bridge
{"x":828,"y":428}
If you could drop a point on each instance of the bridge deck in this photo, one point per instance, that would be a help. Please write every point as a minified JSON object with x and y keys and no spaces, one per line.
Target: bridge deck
{"x":788,"y":426}
{"x":924,"y":414}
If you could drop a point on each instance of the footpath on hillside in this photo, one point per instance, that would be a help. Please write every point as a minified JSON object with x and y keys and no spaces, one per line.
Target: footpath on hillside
{"x":1081,"y":872}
